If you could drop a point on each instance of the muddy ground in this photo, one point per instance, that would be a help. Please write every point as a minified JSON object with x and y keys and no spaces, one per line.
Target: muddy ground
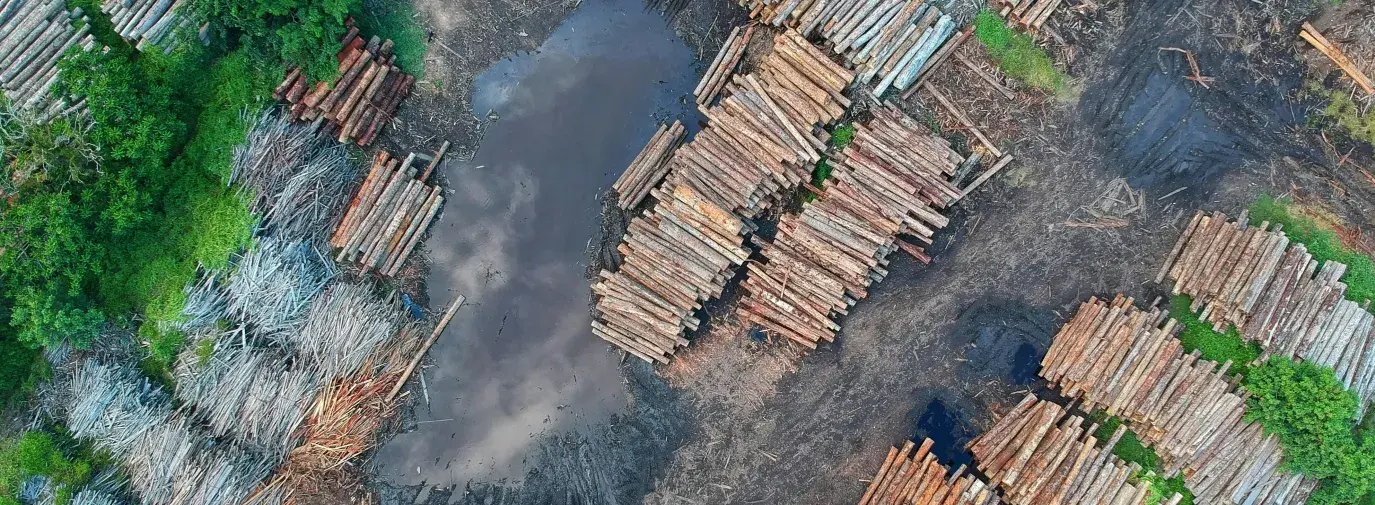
{"x":937,"y":349}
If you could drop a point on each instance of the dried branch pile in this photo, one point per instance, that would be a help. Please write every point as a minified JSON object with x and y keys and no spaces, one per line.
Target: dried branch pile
{"x":1274,"y":292}
{"x":1029,"y":14}
{"x":296,"y":179}
{"x":892,"y":180}
{"x":251,"y":394}
{"x":274,"y":283}
{"x":343,"y":328}
{"x":677,"y":255}
{"x":361,"y":101}
{"x":918,"y":479}
{"x":34,"y":34}
{"x":388,"y":214}
{"x":1118,"y":358}
{"x":166,"y":458}
{"x":896,"y":41}
{"x":723,"y":66}
{"x":650,"y":166}
{"x":1039,"y":453}
{"x":152,"y":22}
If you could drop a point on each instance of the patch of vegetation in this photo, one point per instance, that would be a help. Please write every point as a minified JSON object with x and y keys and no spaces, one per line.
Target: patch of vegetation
{"x":1312,"y":413}
{"x":842,"y":135}
{"x":1213,"y":346}
{"x":1131,"y":450}
{"x":21,"y":367}
{"x":1323,"y":243}
{"x":397,"y":20}
{"x":1017,"y":54}
{"x":39,"y":453}
{"x":302,"y":33}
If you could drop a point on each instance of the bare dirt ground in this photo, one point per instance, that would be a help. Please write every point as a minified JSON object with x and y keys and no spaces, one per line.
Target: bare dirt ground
{"x":937,"y":349}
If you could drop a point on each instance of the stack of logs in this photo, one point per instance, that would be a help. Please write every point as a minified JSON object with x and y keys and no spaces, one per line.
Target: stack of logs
{"x":152,"y":22}
{"x":650,"y":166}
{"x":678,"y":255}
{"x":918,"y":479}
{"x":361,"y":101}
{"x":1038,"y":454}
{"x":34,"y":34}
{"x":1029,"y":14}
{"x":1122,"y":360}
{"x":718,"y":74}
{"x":389,"y":213}
{"x":891,"y":180}
{"x":896,"y":41}
{"x":1276,"y":294}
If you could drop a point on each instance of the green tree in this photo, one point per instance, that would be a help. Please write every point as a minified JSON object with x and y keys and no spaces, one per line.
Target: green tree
{"x":304,"y":33}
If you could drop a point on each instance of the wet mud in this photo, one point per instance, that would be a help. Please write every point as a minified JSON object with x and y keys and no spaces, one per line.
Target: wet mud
{"x":519,"y":372}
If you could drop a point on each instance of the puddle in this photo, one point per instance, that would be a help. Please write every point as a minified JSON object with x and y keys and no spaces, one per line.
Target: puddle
{"x":949,"y":430}
{"x":1006,"y":342}
{"x":519,"y":361}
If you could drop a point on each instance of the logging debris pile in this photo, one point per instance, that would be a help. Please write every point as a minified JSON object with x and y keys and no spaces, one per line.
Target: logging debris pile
{"x":761,"y":142}
{"x":919,"y":479}
{"x":1120,"y":359}
{"x":1029,"y":14}
{"x":166,"y":458}
{"x":152,"y":23}
{"x":892,"y":179}
{"x":1313,"y":36}
{"x":896,"y":41}
{"x":293,"y":179}
{"x":649,"y":167}
{"x":1276,"y":294}
{"x":34,"y":34}
{"x":361,"y":101}
{"x":389,"y":213}
{"x":273,"y":285}
{"x":1040,"y":453}
{"x":253,"y":395}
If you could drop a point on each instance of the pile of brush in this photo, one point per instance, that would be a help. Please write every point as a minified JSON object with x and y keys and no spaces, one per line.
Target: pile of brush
{"x":361,"y":101}
{"x":294,"y":179}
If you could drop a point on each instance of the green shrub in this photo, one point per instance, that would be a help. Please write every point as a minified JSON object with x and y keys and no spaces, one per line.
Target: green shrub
{"x":37,"y":453}
{"x":842,"y":135}
{"x":1212,"y":345}
{"x":21,"y":367}
{"x":396,"y":20}
{"x":1017,"y":54}
{"x":1313,"y":414}
{"x":1322,"y":243}
{"x":304,"y":33}
{"x":1345,"y":112}
{"x":1131,"y":450}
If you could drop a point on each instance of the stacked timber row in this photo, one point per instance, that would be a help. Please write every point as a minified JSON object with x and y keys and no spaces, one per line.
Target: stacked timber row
{"x":1029,"y":14}
{"x":389,"y":213}
{"x":1125,"y":361}
{"x":1039,"y":454}
{"x":650,"y":166}
{"x":908,"y":478}
{"x":723,"y":66}
{"x":152,"y":22}
{"x":357,"y":105}
{"x":678,"y":255}
{"x":895,"y":41}
{"x":1276,"y":294}
{"x":892,"y":180}
{"x":34,"y":34}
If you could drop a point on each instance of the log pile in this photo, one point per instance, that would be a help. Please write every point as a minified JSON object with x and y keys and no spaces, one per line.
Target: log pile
{"x":152,"y":22}
{"x":721,"y":69}
{"x":649,"y":167}
{"x":1029,"y":14}
{"x":1276,"y":294}
{"x":1125,"y":361}
{"x":1039,"y":453}
{"x":34,"y":34}
{"x":677,"y":256}
{"x":895,"y":41}
{"x":891,"y":180}
{"x":361,"y":101}
{"x":909,"y":478}
{"x":388,"y":214}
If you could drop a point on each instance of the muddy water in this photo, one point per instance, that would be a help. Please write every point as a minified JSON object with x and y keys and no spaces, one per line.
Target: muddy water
{"x":519,"y":361}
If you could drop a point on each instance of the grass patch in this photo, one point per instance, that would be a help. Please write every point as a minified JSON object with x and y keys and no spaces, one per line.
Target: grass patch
{"x":1212,"y":345}
{"x":1131,"y":450}
{"x":1323,"y":243}
{"x":842,"y":135}
{"x":1344,"y":111}
{"x":1017,"y":54}
{"x":51,"y":455}
{"x":396,"y":20}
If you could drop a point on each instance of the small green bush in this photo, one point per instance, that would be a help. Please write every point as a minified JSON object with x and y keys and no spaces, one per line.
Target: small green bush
{"x":1017,"y":54}
{"x":1213,"y":346}
{"x":396,"y":20}
{"x":842,"y":135}
{"x":1131,"y":450}
{"x":1322,"y":243}
{"x":37,"y":453}
{"x":1342,"y":109}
